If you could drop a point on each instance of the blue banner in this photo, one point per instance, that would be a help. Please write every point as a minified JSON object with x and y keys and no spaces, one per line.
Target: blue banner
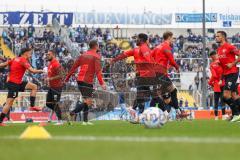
{"x":195,"y":17}
{"x":122,"y":18}
{"x":227,"y":23}
{"x":35,"y":18}
{"x":229,"y":17}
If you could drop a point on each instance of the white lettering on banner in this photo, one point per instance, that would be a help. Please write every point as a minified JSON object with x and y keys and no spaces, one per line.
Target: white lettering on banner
{"x":107,"y":18}
{"x":155,"y":20}
{"x":229,"y":17}
{"x":5,"y":19}
{"x":133,"y":19}
{"x":147,"y":19}
{"x":122,"y":18}
{"x":61,"y":18}
{"x":37,"y":19}
{"x":126,"y":18}
{"x":95,"y":18}
{"x":81,"y":17}
{"x":65,"y":16}
{"x":158,"y":20}
{"x":117,"y":17}
{"x":24,"y":18}
{"x":1,"y":19}
{"x":49,"y":18}
{"x":90,"y":18}
{"x":163,"y":19}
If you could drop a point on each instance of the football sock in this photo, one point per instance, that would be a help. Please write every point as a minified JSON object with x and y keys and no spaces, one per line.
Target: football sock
{"x":2,"y":116}
{"x":32,"y":101}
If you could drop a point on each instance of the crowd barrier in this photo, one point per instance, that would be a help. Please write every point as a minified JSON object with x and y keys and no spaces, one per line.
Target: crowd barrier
{"x":19,"y":117}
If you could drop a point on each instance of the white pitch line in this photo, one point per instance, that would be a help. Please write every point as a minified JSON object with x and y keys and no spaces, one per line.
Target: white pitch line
{"x":196,"y":140}
{"x":150,"y":139}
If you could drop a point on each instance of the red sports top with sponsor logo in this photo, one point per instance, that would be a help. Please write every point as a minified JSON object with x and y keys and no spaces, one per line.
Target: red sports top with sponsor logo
{"x":17,"y":69}
{"x":55,"y":69}
{"x":90,"y":66}
{"x":163,"y":57}
{"x":216,"y":76}
{"x":227,"y":54}
{"x":142,"y":59}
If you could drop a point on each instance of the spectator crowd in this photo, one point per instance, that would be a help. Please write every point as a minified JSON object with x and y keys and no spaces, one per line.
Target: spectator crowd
{"x":187,"y":50}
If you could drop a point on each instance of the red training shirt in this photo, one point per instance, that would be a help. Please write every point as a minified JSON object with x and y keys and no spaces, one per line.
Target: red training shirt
{"x":55,"y":69}
{"x":142,"y":59}
{"x":90,"y":63}
{"x":216,"y":76}
{"x":18,"y":67}
{"x":227,"y":54}
{"x":163,"y":57}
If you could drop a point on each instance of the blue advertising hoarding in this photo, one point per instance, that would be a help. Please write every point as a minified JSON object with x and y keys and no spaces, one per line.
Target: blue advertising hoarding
{"x":194,"y":17}
{"x":35,"y":18}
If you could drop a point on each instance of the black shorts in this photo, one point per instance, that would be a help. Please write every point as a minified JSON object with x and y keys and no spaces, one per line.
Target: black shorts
{"x":143,"y":85}
{"x":86,"y":89}
{"x":14,"y":88}
{"x":231,"y":82}
{"x":54,"y":95}
{"x":164,"y":83}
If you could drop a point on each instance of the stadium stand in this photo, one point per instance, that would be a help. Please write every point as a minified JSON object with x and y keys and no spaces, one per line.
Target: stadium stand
{"x":187,"y":49}
{"x":187,"y":98}
{"x":6,"y":50}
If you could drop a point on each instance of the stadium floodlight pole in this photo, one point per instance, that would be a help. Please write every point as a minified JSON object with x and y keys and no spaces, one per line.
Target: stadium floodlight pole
{"x":204,"y":81}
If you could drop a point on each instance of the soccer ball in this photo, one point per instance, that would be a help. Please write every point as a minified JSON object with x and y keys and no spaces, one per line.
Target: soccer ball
{"x":153,"y":117}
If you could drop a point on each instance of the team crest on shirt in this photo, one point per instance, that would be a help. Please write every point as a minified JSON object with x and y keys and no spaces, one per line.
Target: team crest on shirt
{"x":224,"y":50}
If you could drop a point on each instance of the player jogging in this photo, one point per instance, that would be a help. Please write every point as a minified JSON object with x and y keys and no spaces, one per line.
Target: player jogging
{"x":144,"y":70}
{"x":163,"y":57}
{"x":55,"y":83}
{"x":227,"y":56}
{"x":217,"y":82}
{"x":17,"y":68}
{"x":90,"y":63}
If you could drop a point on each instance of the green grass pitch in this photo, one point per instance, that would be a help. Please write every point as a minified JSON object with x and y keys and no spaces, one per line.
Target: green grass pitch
{"x":118,"y":140}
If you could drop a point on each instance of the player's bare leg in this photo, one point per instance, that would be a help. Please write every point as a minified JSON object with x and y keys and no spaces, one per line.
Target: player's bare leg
{"x":33,"y":88}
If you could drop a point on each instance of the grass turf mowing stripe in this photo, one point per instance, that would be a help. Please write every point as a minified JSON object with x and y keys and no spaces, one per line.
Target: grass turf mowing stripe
{"x":207,"y":140}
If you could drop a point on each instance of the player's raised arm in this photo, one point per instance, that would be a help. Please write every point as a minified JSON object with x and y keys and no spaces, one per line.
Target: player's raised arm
{"x":172,"y":62}
{"x":32,"y":70}
{"x":4,"y":64}
{"x":26,"y":54}
{"x":75,"y":66}
{"x":123,"y":56}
